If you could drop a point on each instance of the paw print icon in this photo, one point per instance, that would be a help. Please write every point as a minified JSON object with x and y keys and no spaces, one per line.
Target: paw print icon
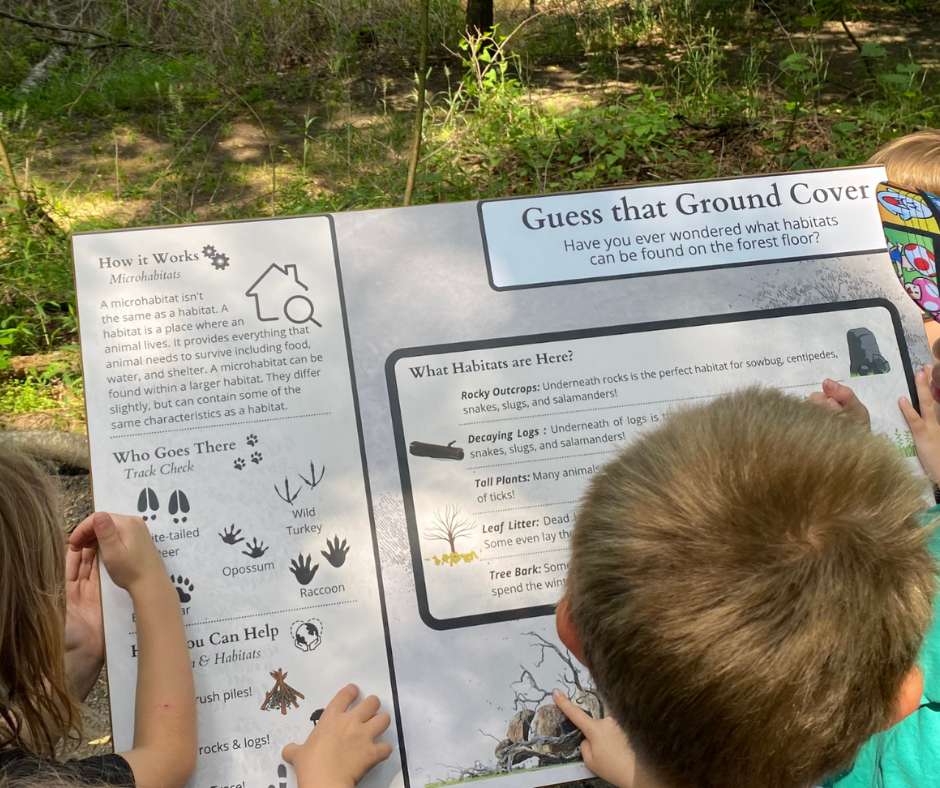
{"x":252,"y":440}
{"x":239,"y":463}
{"x":256,"y":457}
{"x":184,"y":587}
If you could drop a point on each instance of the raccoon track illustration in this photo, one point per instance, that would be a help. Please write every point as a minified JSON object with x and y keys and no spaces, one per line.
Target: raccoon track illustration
{"x":252,"y":440}
{"x":184,"y":587}
{"x":147,"y":504}
{"x":256,"y":457}
{"x":239,"y":463}
{"x":179,"y":505}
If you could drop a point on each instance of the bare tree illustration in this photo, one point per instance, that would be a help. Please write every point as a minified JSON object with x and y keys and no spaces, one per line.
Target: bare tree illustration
{"x":449,"y":526}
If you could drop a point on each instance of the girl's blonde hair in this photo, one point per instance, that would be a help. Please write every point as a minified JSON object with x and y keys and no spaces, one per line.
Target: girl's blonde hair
{"x":37,"y":710}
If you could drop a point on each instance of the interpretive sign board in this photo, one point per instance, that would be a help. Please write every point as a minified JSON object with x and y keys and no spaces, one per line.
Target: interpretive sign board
{"x":359,"y":440}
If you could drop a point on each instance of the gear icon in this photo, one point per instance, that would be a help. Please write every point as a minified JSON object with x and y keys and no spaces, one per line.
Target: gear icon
{"x":220,"y":262}
{"x":209,"y":251}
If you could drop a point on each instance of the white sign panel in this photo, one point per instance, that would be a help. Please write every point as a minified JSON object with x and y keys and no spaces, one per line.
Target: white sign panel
{"x":361,"y":461}
{"x":533,"y":241}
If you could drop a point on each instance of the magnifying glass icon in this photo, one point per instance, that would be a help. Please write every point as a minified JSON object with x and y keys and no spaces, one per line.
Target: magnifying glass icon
{"x":299,"y":309}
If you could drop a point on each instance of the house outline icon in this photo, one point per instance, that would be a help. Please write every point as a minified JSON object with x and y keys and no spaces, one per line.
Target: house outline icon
{"x":269,"y":291}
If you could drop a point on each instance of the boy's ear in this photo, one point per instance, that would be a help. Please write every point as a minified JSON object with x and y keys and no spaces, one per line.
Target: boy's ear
{"x":908,"y":698}
{"x":566,"y":631}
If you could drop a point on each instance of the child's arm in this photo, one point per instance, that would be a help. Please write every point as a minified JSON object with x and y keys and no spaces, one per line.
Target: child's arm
{"x":605,"y":749}
{"x":924,"y":426}
{"x":342,"y":747}
{"x":164,"y":751}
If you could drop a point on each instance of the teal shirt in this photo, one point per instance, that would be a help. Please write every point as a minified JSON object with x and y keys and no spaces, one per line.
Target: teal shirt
{"x":907,"y":755}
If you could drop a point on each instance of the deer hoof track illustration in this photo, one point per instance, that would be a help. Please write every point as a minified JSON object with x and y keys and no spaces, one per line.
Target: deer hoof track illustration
{"x":337,"y":552}
{"x":184,"y":587}
{"x":148,"y":504}
{"x":239,"y":463}
{"x":178,"y":506}
{"x":303,"y":568}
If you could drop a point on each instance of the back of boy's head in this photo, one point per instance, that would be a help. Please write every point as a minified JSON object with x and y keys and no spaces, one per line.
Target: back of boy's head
{"x":912,"y":161}
{"x":36,"y":710}
{"x":750,"y":584}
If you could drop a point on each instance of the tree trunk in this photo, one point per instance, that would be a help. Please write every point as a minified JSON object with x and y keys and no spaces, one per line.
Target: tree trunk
{"x":451,"y":541}
{"x":479,"y":15}
{"x":419,"y":110}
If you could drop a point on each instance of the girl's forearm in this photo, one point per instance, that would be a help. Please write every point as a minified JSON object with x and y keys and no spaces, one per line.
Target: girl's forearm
{"x":165,"y":715}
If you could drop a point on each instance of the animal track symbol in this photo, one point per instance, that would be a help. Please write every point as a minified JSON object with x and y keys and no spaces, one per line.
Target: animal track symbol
{"x":281,"y":777}
{"x":252,"y":440}
{"x":303,"y":568}
{"x":230,"y":535}
{"x":179,"y":505}
{"x":184,"y":587}
{"x":256,"y":457}
{"x":255,"y":550}
{"x":147,"y":504}
{"x":239,"y":463}
{"x":337,"y":552}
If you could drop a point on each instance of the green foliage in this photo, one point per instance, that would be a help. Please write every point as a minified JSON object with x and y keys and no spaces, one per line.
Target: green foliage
{"x":36,"y":290}
{"x":589,"y":93}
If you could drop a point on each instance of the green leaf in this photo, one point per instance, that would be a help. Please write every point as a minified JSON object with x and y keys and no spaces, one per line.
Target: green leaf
{"x":873,"y":50}
{"x":845,"y":127}
{"x":795,"y":62}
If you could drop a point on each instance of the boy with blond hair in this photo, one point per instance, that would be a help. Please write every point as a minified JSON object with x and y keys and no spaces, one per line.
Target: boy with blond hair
{"x":750,"y":586}
{"x":913,"y":163}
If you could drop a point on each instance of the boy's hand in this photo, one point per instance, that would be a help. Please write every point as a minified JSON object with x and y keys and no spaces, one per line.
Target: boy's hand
{"x":342,"y":746}
{"x":605,"y":749}
{"x":124,"y":546}
{"x":924,"y":425}
{"x":839,"y":398}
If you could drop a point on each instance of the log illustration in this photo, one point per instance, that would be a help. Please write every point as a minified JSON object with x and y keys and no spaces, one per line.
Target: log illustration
{"x":436,"y":451}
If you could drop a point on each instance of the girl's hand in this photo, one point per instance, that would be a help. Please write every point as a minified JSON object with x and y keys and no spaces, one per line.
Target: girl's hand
{"x":924,"y":425}
{"x":342,"y":746}
{"x":839,"y":398}
{"x":84,"y":630}
{"x":605,"y":749}
{"x":124,"y":546}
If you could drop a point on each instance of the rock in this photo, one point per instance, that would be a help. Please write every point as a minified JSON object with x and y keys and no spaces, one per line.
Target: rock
{"x":589,"y":702}
{"x":864,"y":356}
{"x":550,"y":721}
{"x":519,"y":725}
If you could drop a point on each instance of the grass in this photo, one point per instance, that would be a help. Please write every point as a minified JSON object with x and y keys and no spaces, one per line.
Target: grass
{"x":577,"y":98}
